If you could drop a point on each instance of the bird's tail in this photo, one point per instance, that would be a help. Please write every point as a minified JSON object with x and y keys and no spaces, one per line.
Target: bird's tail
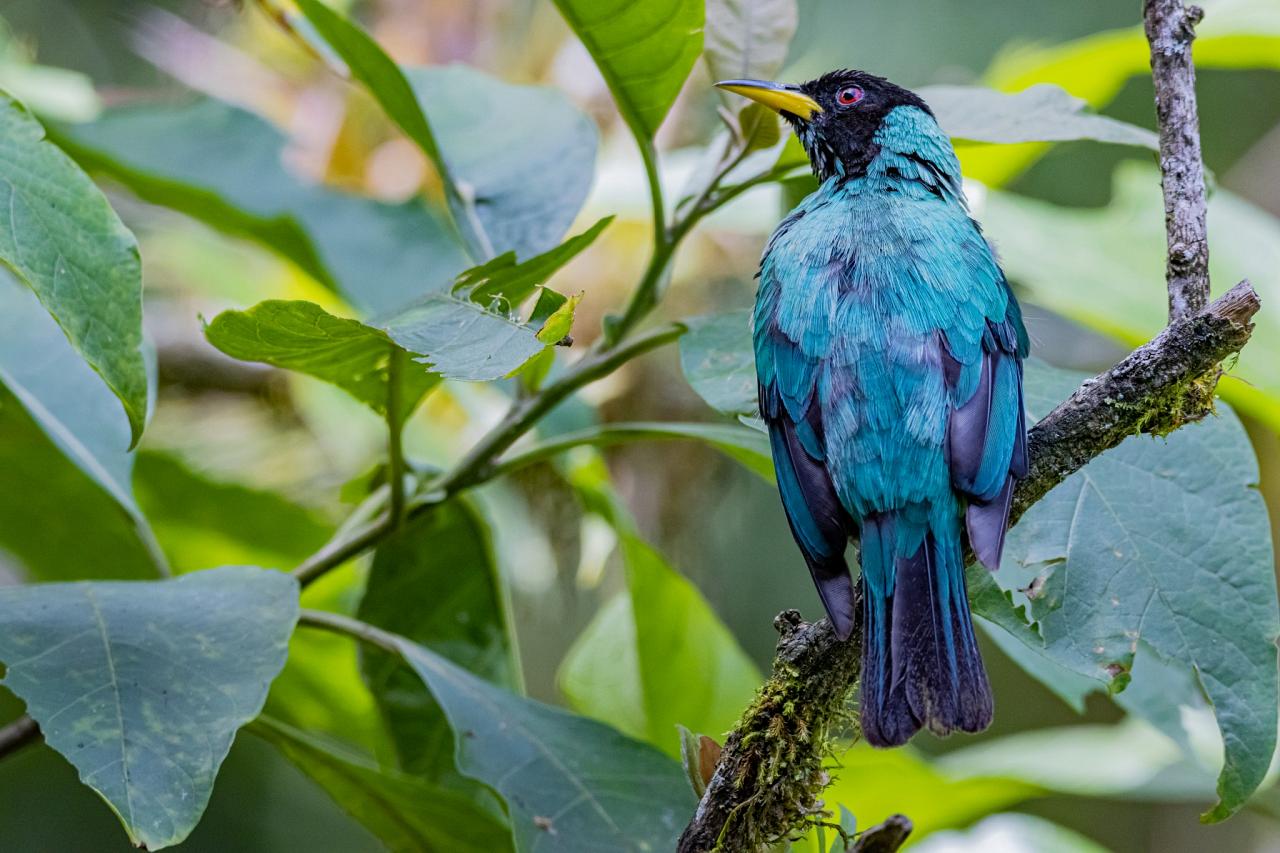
{"x":920,"y":659}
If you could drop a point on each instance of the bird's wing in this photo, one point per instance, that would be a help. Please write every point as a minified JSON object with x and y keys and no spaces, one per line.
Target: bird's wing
{"x":790,"y":346}
{"x":987,"y":432}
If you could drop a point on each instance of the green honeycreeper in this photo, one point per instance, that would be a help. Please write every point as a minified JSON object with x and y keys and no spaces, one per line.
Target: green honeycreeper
{"x":889,"y":354}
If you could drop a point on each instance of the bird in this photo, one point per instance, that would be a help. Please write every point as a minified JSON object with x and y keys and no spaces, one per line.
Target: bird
{"x":889,"y":354}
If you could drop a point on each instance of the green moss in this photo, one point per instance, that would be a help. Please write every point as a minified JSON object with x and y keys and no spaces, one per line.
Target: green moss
{"x":786,"y":735}
{"x":1177,"y":406}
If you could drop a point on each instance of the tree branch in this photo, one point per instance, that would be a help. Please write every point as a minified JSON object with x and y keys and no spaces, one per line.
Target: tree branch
{"x":752,"y":797}
{"x":1170,"y":29}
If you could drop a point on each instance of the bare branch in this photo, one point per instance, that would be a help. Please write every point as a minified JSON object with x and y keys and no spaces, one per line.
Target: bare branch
{"x":1170,"y":28}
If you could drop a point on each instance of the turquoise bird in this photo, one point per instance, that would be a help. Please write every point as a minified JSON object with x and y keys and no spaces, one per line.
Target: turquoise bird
{"x":889,"y":354}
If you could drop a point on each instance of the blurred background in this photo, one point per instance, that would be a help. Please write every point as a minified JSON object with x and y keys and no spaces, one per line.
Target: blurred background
{"x":720,"y":525}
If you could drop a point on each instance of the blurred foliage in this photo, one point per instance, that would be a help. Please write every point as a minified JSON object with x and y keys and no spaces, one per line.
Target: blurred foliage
{"x":370,"y":199}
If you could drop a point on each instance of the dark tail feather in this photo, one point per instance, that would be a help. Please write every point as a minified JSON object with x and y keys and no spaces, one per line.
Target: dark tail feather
{"x":920,"y":659}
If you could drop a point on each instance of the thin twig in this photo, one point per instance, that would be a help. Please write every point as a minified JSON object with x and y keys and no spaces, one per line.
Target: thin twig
{"x":395,"y":434}
{"x":1170,"y":28}
{"x":21,"y":732}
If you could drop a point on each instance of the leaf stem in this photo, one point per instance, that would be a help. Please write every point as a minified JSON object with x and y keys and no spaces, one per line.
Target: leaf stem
{"x":603,"y":435}
{"x":342,"y":548}
{"x":395,"y":435}
{"x":336,"y":623}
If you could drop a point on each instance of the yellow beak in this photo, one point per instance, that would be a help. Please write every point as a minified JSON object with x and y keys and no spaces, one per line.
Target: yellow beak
{"x":775,"y":96}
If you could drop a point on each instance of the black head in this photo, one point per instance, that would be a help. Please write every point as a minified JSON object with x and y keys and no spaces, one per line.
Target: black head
{"x":835,"y":116}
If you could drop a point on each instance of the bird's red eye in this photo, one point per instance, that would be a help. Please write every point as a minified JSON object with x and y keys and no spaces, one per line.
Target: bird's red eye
{"x":848,"y":96}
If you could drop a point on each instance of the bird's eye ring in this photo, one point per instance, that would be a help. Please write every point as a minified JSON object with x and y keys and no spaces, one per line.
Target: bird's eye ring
{"x":848,"y":96}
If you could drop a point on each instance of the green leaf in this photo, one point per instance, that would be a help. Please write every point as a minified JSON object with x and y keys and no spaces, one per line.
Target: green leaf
{"x":436,"y":583}
{"x":505,"y":279}
{"x":760,"y":127}
{"x":691,"y":670}
{"x":66,"y":510}
{"x":748,"y":38}
{"x":718,"y":361}
{"x":1130,"y":759}
{"x":407,"y":814}
{"x":520,"y":198}
{"x":57,"y":521}
{"x":1104,"y":267}
{"x":570,"y":784}
{"x":1118,"y":552}
{"x":1041,"y":113}
{"x":874,"y":784}
{"x":458,"y":339}
{"x":1234,"y":34}
{"x":224,"y":166}
{"x":202,"y":522}
{"x":143,"y":685}
{"x":644,"y":52}
{"x":558,"y":323}
{"x":503,"y":198}
{"x":61,"y":237}
{"x":302,"y":336}
{"x":656,"y":657}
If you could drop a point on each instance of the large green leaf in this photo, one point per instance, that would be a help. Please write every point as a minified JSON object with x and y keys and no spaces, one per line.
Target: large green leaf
{"x":1166,"y":542}
{"x":143,"y":685}
{"x":1041,"y":113}
{"x":1128,"y":760}
{"x":437,"y":584}
{"x":718,"y":361}
{"x":1105,"y":267}
{"x":644,"y":51}
{"x":302,"y":336}
{"x":657,"y":657}
{"x":201,"y":522}
{"x":61,"y":237}
{"x":1234,"y":34}
{"x":66,"y":508}
{"x":406,"y":813}
{"x":524,"y":197}
{"x":570,"y":784}
{"x":874,"y":784}
{"x":748,"y":38}
{"x":224,"y":167}
{"x":504,"y":198}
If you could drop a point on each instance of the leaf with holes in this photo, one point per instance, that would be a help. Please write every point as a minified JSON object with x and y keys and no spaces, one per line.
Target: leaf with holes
{"x":143,"y":685}
{"x":61,"y":237}
{"x":1164,"y":542}
{"x":302,"y":336}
